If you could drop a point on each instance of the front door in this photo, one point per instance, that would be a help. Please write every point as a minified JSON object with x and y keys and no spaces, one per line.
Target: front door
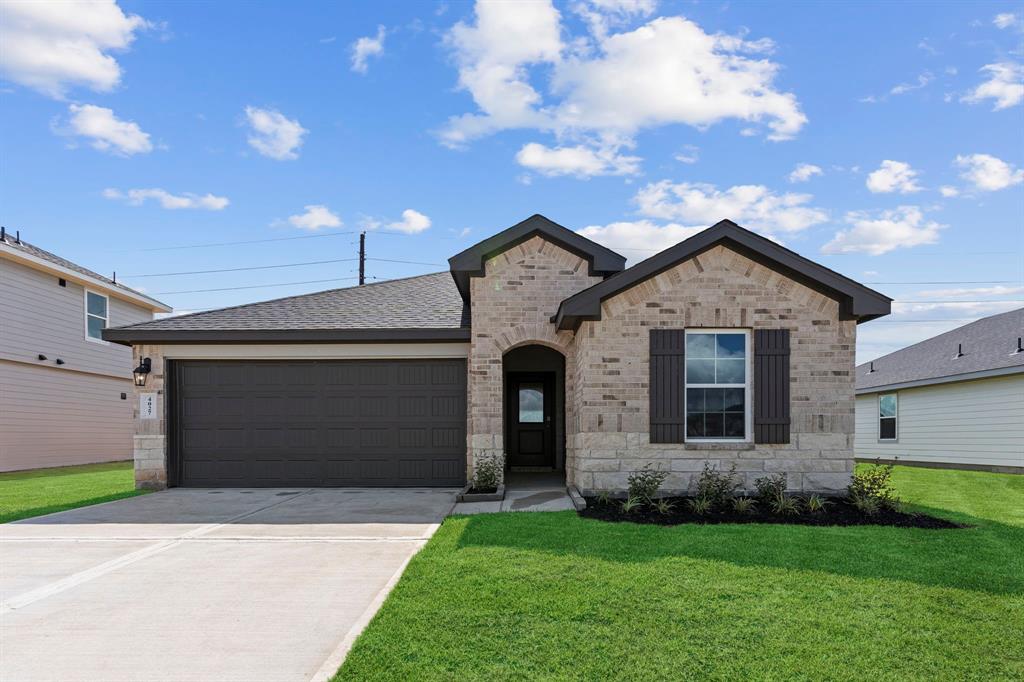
{"x":529,"y":419}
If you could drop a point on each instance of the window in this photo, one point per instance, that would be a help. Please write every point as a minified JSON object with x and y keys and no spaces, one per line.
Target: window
{"x":531,"y":403}
{"x":717,"y":385}
{"x":887,"y":407}
{"x":96,"y":315}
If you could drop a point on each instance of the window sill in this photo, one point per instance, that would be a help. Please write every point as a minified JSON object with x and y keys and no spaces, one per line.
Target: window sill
{"x":724,"y":445}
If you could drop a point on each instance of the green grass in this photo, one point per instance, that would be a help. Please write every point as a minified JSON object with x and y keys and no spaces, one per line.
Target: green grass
{"x":24,"y":494}
{"x":553,"y":596}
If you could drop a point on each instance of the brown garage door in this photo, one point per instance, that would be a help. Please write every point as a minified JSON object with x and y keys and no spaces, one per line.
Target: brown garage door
{"x":319,"y":423}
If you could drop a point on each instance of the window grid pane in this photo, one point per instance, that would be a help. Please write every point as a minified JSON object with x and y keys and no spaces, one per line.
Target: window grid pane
{"x":96,"y":325}
{"x":96,"y":304}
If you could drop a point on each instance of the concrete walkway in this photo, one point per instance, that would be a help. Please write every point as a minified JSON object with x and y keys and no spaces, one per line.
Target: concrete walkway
{"x":182,"y":585}
{"x":525,"y":492}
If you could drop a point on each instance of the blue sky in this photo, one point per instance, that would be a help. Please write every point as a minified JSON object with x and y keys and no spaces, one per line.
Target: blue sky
{"x":885,"y":140}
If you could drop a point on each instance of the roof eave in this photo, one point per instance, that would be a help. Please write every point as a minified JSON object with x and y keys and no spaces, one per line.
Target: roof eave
{"x":128,"y":336}
{"x":948,"y":379}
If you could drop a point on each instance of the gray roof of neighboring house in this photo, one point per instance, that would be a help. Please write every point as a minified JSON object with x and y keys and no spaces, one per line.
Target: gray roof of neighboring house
{"x":422,"y":308}
{"x":988,"y":346}
{"x":33,"y":250}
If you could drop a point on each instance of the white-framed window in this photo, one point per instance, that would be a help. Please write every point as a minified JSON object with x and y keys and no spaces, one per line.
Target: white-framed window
{"x":888,"y":409}
{"x":717,"y":380}
{"x":97,"y":315}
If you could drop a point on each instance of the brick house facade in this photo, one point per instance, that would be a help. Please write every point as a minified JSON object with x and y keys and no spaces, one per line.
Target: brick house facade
{"x":534,"y":303}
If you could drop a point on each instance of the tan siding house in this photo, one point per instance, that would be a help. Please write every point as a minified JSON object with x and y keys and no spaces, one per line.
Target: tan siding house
{"x":64,"y":391}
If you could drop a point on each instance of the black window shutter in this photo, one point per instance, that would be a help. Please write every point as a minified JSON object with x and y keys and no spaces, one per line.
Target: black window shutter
{"x":771,"y":385}
{"x":668,"y":401}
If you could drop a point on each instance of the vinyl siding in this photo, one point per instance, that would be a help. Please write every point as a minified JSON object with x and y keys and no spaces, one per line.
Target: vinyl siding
{"x":50,"y":417}
{"x":971,"y":422}
{"x":37,"y":316}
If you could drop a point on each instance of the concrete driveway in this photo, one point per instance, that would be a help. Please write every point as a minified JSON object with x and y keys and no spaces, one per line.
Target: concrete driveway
{"x":252,"y":585}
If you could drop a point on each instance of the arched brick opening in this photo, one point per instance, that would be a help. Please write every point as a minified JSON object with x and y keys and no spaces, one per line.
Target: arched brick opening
{"x":534,"y":392}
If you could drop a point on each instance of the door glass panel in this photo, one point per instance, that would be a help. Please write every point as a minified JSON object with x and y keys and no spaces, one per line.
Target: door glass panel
{"x":531,"y":403}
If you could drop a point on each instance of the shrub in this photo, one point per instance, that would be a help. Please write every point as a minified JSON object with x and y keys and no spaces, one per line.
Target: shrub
{"x":875,"y":482}
{"x":869,"y":506}
{"x":815,"y":503}
{"x":770,"y":488}
{"x":631,"y":504}
{"x":663,"y":506}
{"x":699,"y":505}
{"x":644,"y":484}
{"x":717,"y":487}
{"x":785,"y":506}
{"x":744,"y":505}
{"x":604,"y":498}
{"x":487,"y":473}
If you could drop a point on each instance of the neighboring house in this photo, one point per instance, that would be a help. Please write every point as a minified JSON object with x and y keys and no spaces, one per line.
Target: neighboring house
{"x":538,"y":346}
{"x":63,"y":389}
{"x":954,"y":400}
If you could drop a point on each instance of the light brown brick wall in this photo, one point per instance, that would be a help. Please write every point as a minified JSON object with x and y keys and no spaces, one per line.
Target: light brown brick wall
{"x":150,"y":441}
{"x":511,"y":306}
{"x":719,"y":288}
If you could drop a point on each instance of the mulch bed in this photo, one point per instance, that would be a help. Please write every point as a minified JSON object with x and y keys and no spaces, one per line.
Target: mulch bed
{"x":839,"y":513}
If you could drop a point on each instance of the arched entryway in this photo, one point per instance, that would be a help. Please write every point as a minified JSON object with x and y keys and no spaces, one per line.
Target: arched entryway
{"x":534,"y":414}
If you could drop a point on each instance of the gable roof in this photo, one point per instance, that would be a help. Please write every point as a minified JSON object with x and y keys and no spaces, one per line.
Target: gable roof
{"x":21,"y":251}
{"x":601,"y":261}
{"x":989,"y":349}
{"x":421,"y":308}
{"x":856,"y":300}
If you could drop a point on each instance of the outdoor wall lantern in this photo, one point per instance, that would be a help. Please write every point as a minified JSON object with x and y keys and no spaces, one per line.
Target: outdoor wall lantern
{"x":142,"y":371}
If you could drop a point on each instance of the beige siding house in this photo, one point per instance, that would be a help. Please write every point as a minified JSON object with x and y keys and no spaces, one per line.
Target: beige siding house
{"x":64,"y":391}
{"x":954,"y":400}
{"x":538,"y":348}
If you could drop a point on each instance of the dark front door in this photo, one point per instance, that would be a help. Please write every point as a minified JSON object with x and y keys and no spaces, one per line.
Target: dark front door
{"x":530,"y":419}
{"x":320,"y":423}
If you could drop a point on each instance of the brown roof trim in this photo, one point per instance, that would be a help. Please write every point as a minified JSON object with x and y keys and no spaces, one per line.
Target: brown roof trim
{"x":601,"y":261}
{"x":856,"y":300}
{"x":128,"y":336}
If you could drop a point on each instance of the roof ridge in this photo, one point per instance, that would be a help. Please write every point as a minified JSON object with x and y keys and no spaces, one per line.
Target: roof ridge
{"x":285,"y":298}
{"x":938,"y":336}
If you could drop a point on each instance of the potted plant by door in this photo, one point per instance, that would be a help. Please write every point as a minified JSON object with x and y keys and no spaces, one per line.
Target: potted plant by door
{"x":486,"y":484}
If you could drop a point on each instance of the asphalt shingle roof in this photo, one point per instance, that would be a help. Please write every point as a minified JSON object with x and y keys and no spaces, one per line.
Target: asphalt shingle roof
{"x":988,"y":344}
{"x":421,"y":302}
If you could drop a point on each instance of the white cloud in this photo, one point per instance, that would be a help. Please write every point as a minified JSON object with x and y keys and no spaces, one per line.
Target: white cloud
{"x":105,"y":131}
{"x":922,"y":80}
{"x":412,"y":222}
{"x":1000,"y":290}
{"x":316,"y":216}
{"x":688,"y":154}
{"x":987,"y":173}
{"x":136,"y":197}
{"x":949,"y":191}
{"x":893,"y":176}
{"x":1006,"y":20}
{"x":885,"y":231}
{"x":273,"y":134}
{"x":754,"y":206}
{"x":579,"y":161}
{"x":52,"y":46}
{"x":804,"y":172}
{"x":604,"y":88}
{"x":1005,"y":85}
{"x":367,"y":47}
{"x":642,"y":236}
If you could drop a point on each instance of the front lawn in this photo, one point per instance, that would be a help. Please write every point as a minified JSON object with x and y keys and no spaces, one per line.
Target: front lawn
{"x":554,"y":596}
{"x":44,"y":491}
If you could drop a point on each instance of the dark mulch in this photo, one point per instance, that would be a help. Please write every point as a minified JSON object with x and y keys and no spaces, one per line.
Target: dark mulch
{"x":839,"y":513}
{"x":482,"y":491}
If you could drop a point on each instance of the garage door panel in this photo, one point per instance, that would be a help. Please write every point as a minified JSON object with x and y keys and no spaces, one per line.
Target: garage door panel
{"x":331,"y":423}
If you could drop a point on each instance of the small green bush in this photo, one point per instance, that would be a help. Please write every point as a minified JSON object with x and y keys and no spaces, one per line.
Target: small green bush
{"x":744,"y":505}
{"x":604,"y":498}
{"x":700,"y":505}
{"x":663,"y":506}
{"x":644,"y":484}
{"x":875,"y":482}
{"x":770,"y":488}
{"x":487,"y":473}
{"x":785,"y":506}
{"x":631,"y":504}
{"x":869,"y":506}
{"x":717,"y":487}
{"x":815,"y":503}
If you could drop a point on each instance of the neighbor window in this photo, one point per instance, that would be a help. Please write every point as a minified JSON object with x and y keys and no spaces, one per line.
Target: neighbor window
{"x":96,"y":315}
{"x":887,"y":409}
{"x":717,"y":385}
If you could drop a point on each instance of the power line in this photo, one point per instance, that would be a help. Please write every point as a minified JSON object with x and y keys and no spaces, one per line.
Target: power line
{"x":255,"y":286}
{"x":993,"y":281}
{"x":1001,"y":300}
{"x":407,"y":262}
{"x":254,"y":267}
{"x":247,"y":241}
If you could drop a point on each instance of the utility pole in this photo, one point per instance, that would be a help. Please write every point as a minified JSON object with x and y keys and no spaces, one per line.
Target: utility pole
{"x":362,"y":258}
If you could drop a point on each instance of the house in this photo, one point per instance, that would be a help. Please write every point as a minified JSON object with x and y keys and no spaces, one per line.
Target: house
{"x":955,"y":400}
{"x":538,"y":346}
{"x":63,"y":390}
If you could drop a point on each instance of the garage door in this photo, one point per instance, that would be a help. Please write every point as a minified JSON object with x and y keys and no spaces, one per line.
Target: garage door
{"x":319,"y":423}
